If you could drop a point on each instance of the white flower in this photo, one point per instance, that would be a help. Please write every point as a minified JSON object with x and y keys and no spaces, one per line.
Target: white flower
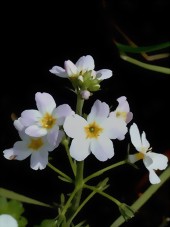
{"x":83,"y":65}
{"x":123,"y":110}
{"x":44,"y":121}
{"x":38,"y":148}
{"x":94,"y":134}
{"x":151,"y":160}
{"x":7,"y":220}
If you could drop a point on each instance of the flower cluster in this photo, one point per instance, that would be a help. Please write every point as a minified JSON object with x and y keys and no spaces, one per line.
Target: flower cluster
{"x":42,"y":130}
{"x":82,"y":75}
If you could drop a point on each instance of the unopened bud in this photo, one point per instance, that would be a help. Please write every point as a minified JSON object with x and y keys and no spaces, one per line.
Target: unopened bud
{"x":85,"y":94}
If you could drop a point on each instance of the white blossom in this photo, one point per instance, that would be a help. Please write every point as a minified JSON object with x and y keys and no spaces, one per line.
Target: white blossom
{"x":94,"y":134}
{"x":152,"y":161}
{"x":83,"y":65}
{"x":36,"y":147}
{"x":44,"y":121}
{"x":123,"y":110}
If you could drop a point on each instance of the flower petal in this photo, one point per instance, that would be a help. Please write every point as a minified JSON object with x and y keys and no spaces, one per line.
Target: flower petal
{"x":129,"y":117}
{"x":74,"y":126}
{"x":135,"y":137}
{"x":147,"y":160}
{"x":103,"y":74}
{"x":85,"y":63}
{"x":61,"y":112}
{"x":39,"y":160}
{"x":45,"y":102}
{"x":70,"y":68}
{"x":102,"y":148}
{"x":159,"y":161}
{"x":99,"y":112}
{"x":7,"y":220}
{"x":35,"y":131}
{"x":123,"y":110}
{"x":53,"y":135}
{"x":115,"y":128}
{"x":153,"y":178}
{"x":9,"y":154}
{"x":79,"y":149}
{"x":18,"y":124}
{"x":58,"y":71}
{"x":29,"y":117}
{"x":123,"y":104}
{"x":21,"y":150}
{"x":145,"y":142}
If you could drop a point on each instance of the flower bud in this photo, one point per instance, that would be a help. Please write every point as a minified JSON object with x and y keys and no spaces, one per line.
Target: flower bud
{"x":85,"y":94}
{"x":126,"y":211}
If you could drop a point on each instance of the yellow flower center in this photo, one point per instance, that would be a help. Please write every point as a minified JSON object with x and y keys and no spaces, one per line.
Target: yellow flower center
{"x":139,"y":156}
{"x":35,"y":144}
{"x":121,"y":115}
{"x":93,"y":130}
{"x":48,"y":121}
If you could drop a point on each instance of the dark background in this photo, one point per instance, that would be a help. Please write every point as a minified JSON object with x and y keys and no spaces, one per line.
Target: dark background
{"x":35,"y":37}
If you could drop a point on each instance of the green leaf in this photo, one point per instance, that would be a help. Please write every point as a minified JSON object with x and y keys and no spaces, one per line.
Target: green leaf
{"x":47,"y":223}
{"x":128,"y":48}
{"x":13,"y":208}
{"x":16,"y":196}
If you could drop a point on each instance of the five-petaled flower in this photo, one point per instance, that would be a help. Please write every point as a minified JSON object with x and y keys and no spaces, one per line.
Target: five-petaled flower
{"x":82,"y":74}
{"x":44,"y":121}
{"x":83,"y":65}
{"x":37,"y":147}
{"x":94,"y":134}
{"x":151,"y":160}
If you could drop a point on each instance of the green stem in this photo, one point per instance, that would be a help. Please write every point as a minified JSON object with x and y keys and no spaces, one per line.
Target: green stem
{"x":60,"y":172}
{"x":98,"y":173}
{"x":145,"y":65}
{"x":92,"y":188}
{"x":82,"y":205}
{"x":67,"y":205}
{"x":79,"y":172}
{"x":144,"y":197}
{"x":79,"y":105}
{"x":65,"y":142}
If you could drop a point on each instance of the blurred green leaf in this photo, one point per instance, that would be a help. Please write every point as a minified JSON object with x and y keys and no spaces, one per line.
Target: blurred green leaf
{"x":132,"y":49}
{"x":47,"y":223}
{"x":13,"y":208}
{"x":16,"y":196}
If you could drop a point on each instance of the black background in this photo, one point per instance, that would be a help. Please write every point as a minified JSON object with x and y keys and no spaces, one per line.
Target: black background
{"x":37,"y":36}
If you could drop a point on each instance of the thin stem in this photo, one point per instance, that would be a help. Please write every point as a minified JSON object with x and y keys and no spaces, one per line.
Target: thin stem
{"x":79,"y":172}
{"x":60,"y":172}
{"x":145,"y":65}
{"x":98,"y":173}
{"x":67,"y":205}
{"x":92,"y":188}
{"x":65,"y":142}
{"x":79,"y":105}
{"x":82,"y":205}
{"x":144,"y":197}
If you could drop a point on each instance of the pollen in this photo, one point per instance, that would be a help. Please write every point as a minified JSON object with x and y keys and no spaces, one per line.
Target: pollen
{"x":139,"y":156}
{"x":35,"y":144}
{"x":48,"y":121}
{"x":122,"y":114}
{"x":93,"y":130}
